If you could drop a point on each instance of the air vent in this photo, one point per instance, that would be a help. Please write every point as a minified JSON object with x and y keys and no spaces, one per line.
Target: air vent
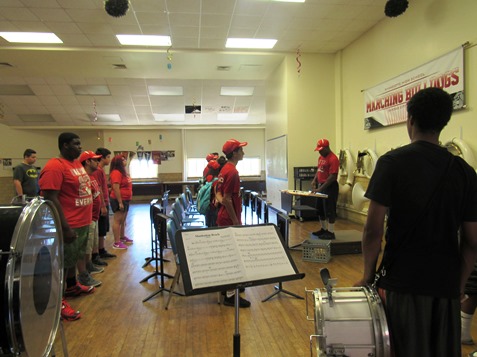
{"x":119,"y":66}
{"x":223,"y":68}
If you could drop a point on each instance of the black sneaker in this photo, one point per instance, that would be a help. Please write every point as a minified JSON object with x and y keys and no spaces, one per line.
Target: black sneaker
{"x":321,"y":232}
{"x":230,"y":301}
{"x":99,"y":262}
{"x":106,"y":255}
{"x":328,"y":236}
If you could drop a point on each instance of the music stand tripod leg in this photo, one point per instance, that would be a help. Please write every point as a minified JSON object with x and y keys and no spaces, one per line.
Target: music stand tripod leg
{"x":237,"y":332}
{"x":279,"y":289}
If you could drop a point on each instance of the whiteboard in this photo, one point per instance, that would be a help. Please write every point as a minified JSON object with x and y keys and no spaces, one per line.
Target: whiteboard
{"x":277,"y":158}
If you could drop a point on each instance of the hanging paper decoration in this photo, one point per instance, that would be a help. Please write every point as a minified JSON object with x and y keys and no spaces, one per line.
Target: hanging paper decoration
{"x":140,"y":155}
{"x":95,"y":112}
{"x":298,"y":66}
{"x":147,"y":155}
{"x":169,"y":58}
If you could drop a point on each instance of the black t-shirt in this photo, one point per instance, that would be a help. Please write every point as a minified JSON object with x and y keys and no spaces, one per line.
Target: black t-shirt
{"x":422,"y":248}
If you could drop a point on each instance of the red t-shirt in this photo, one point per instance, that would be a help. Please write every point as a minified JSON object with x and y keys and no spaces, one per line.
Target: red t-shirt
{"x":326,"y":166}
{"x":100,"y":176}
{"x":96,"y":193}
{"x":74,"y":186}
{"x":125,"y":184}
{"x":229,"y":182}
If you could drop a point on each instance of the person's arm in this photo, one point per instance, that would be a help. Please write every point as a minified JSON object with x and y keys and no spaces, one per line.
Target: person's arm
{"x":371,"y":244}
{"x":229,"y":206}
{"x":117,"y":193}
{"x":18,"y":187}
{"x":468,"y":251}
{"x":68,"y":234}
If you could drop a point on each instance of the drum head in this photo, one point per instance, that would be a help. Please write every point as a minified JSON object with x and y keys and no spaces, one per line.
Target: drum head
{"x":35,"y":279}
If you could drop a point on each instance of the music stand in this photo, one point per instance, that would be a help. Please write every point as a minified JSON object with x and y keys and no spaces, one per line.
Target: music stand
{"x":283,"y":224}
{"x":160,"y":227}
{"x":225,"y":258}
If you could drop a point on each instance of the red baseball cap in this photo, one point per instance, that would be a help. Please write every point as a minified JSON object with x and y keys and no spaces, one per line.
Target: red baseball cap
{"x":213,"y":165}
{"x":211,"y":157}
{"x":322,"y":143}
{"x":231,"y":145}
{"x":86,"y":155}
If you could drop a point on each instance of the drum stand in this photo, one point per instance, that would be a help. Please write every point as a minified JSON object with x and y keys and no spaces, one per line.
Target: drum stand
{"x":63,"y":342}
{"x":279,"y":289}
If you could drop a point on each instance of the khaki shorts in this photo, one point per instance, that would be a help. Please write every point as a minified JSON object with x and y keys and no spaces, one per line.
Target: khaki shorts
{"x":92,"y":237}
{"x":77,"y":249}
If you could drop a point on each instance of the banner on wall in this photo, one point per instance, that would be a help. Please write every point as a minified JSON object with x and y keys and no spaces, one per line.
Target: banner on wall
{"x":385,"y":104}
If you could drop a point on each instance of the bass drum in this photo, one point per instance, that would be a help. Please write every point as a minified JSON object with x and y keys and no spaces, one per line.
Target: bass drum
{"x":353,"y":324}
{"x":31,"y":270}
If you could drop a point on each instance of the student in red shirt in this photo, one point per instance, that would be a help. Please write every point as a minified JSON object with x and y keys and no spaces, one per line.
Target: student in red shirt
{"x":121,"y":194}
{"x":326,"y":181}
{"x":66,"y":184}
{"x":230,"y":212}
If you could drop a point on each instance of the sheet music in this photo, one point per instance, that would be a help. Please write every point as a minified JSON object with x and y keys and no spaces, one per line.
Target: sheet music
{"x":212,"y":257}
{"x":234,"y":255}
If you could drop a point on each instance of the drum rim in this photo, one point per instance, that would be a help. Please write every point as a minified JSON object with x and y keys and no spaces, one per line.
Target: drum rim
{"x":13,"y":278}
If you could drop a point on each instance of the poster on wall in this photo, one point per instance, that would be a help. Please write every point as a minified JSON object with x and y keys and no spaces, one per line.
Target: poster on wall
{"x":156,"y":157}
{"x":385,"y":104}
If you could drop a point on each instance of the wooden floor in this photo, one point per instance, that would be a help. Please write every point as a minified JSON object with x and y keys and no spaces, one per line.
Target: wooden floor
{"x":115,"y":321}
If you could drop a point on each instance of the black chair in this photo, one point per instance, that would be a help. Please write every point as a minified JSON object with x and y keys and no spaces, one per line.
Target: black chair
{"x":171,"y":232}
{"x":258,"y":208}
{"x":253,"y":202}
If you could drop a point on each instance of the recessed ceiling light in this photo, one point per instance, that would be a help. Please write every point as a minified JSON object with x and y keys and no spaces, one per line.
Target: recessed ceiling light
{"x":169,"y":117}
{"x":144,"y":40}
{"x":237,"y":91}
{"x":90,"y":89}
{"x":232,"y":116}
{"x":106,"y":117}
{"x":31,"y":37}
{"x":250,"y":43}
{"x":162,"y":90}
{"x":36,"y":118}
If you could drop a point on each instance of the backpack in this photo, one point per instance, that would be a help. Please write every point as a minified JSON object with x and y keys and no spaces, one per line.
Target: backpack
{"x":204,"y":197}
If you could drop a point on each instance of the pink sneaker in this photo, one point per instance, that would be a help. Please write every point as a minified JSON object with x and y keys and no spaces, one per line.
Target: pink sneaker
{"x":119,"y":245}
{"x":126,"y":240}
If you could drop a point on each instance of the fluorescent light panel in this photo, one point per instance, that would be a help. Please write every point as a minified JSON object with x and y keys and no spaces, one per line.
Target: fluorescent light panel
{"x":108,"y":117}
{"x":250,"y":43}
{"x":144,"y":40}
{"x":36,"y":118}
{"x":31,"y":37}
{"x":90,"y":89}
{"x":289,"y":0}
{"x":169,"y":117}
{"x":237,"y":91}
{"x":162,"y":90}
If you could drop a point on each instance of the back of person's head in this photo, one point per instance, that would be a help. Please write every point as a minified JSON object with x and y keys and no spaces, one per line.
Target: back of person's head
{"x":222,"y":160}
{"x":117,"y":164}
{"x":430,"y":109}
{"x":28,"y":153}
{"x":103,"y":152}
{"x":66,"y":138}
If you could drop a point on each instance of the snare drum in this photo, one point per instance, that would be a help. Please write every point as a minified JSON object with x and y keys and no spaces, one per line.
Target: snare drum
{"x":352,"y":324}
{"x":31,"y":270}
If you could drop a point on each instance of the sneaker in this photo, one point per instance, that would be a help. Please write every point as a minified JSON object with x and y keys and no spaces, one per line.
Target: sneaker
{"x":86,"y":279}
{"x":126,"y":240}
{"x":106,"y":255}
{"x":119,"y":245}
{"x":320,"y":232}
{"x":328,"y":236}
{"x":78,"y":289}
{"x":68,"y":313}
{"x":93,"y":269}
{"x":230,"y":301}
{"x":99,"y":262}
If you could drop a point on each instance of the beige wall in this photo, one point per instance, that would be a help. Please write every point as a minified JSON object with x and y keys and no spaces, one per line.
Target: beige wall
{"x":427,"y":30}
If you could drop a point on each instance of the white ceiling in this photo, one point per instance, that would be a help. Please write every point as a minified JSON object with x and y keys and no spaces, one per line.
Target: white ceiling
{"x":92,"y":56}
